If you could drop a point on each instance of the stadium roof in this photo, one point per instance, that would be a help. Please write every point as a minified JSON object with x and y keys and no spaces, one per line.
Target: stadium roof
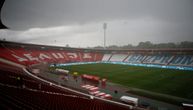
{"x":2,"y":26}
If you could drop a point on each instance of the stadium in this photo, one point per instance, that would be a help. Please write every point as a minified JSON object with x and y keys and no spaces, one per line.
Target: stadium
{"x":49,"y":77}
{"x":29,"y":62}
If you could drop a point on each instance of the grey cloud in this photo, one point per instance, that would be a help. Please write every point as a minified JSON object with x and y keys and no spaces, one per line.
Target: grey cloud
{"x":129,"y":21}
{"x":22,"y":14}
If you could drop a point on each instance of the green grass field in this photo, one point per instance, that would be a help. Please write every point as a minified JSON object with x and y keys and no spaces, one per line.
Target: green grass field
{"x":165,"y":81}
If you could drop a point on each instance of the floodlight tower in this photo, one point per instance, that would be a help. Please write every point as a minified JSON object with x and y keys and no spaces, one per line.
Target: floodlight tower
{"x":105,"y":27}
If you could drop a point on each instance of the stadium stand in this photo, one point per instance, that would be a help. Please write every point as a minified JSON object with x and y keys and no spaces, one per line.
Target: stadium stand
{"x":106,"y":57}
{"x":12,"y":78}
{"x":163,"y":59}
{"x":43,"y":100}
{"x":135,"y":58}
{"x":182,"y":60}
{"x":159,"y":59}
{"x":26,"y":55}
{"x":118,"y":57}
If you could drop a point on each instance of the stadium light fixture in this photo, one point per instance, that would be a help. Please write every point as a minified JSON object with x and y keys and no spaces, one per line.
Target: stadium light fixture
{"x":105,"y":27}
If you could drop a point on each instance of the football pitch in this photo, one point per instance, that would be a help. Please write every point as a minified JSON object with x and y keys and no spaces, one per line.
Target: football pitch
{"x":171,"y":82}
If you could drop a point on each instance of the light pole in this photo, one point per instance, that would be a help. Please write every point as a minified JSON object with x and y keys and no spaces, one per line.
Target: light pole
{"x":105,"y":27}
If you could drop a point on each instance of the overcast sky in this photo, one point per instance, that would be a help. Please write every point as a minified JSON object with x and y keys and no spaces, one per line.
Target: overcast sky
{"x":79,"y":23}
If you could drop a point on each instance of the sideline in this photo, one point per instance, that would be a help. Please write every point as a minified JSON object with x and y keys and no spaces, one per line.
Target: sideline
{"x":130,"y":64}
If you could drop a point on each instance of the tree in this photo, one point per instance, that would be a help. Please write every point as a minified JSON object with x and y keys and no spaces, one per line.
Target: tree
{"x":186,"y":44}
{"x":129,"y":46}
{"x":146,"y":44}
{"x":67,"y":45}
{"x":113,"y":47}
